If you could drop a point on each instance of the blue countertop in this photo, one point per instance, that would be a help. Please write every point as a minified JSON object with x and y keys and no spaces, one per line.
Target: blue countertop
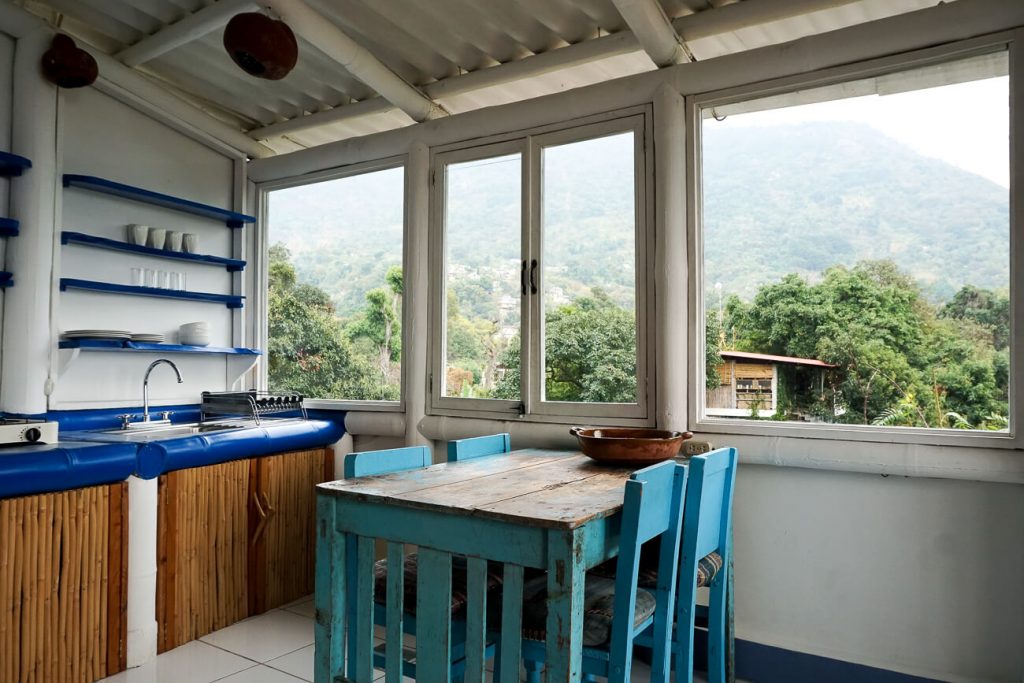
{"x":83,"y":458}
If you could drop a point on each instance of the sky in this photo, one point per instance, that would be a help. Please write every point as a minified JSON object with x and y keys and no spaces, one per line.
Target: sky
{"x":966,"y":124}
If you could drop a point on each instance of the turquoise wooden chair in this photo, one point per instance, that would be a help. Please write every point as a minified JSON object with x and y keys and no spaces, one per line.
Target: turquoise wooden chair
{"x":370,"y":463}
{"x":616,"y":610}
{"x":366,"y":464}
{"x":478,"y":447}
{"x":705,"y":562}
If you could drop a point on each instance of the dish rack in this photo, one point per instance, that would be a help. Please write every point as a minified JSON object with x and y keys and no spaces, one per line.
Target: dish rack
{"x":251,"y":404}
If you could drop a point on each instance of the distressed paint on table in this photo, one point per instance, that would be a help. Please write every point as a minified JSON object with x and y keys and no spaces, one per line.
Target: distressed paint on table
{"x":553,"y":510}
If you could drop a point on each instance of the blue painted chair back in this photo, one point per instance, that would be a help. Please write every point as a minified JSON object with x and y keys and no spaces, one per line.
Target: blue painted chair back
{"x":478,"y":447}
{"x":707,"y":521}
{"x":369,"y":463}
{"x":652,"y":508}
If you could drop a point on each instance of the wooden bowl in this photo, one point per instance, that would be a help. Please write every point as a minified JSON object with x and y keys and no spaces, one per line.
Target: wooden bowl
{"x":628,"y":446}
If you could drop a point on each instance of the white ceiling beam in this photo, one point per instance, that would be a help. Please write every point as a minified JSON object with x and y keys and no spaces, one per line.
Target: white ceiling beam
{"x":652,"y":28}
{"x":690,"y":27}
{"x":356,"y":59}
{"x":185,"y":31}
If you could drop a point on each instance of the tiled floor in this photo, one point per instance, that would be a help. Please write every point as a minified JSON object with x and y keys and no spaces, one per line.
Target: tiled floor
{"x":276,"y":647}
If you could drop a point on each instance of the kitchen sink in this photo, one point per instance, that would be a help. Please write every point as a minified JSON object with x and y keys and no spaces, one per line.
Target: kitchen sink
{"x":172,"y":431}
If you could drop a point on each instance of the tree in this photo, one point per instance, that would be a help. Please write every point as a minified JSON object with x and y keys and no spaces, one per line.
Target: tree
{"x":380,"y":323}
{"x":590,"y":354}
{"x":307,"y":352}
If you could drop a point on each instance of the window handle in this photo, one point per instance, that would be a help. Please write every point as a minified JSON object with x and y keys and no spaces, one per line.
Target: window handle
{"x":522,"y":278}
{"x":533,"y":276}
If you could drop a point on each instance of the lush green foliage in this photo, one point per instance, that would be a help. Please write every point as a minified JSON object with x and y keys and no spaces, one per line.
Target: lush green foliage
{"x":313,"y":352}
{"x":590,"y":354}
{"x":899,"y":360}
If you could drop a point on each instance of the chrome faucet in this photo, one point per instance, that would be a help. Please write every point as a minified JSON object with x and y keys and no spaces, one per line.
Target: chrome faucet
{"x":145,"y":388}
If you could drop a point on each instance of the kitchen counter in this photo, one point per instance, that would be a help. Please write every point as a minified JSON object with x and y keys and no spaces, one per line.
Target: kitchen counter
{"x":87,"y":458}
{"x":68,"y":464}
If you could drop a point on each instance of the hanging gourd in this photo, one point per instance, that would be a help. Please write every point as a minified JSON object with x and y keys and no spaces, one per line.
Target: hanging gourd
{"x":261,"y":46}
{"x":68,"y":65}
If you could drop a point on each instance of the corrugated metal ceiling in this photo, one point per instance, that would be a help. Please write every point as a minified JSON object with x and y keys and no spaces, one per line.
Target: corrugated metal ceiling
{"x":426,"y":42}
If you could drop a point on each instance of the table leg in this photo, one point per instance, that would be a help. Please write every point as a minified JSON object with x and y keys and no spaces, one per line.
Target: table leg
{"x":565,"y":606}
{"x":730,"y":633}
{"x":329,"y":595}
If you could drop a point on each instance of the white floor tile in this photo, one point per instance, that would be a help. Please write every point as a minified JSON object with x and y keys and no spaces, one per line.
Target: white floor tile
{"x":298,"y":663}
{"x":260,"y":674}
{"x":266,"y":636}
{"x":194,"y":662}
{"x":303,"y":606}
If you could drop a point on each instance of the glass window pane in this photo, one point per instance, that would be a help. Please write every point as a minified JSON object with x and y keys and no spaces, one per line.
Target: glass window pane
{"x":483,"y":210}
{"x":335,"y":296}
{"x":588,"y":216}
{"x":856,"y":251}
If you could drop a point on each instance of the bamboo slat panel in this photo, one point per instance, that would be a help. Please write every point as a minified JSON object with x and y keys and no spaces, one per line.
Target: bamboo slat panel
{"x":283,"y":549}
{"x":202,"y":540}
{"x":62,"y":585}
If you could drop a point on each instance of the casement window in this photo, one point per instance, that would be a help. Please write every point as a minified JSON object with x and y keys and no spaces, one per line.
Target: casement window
{"x":853,"y":262}
{"x":333,"y":246}
{"x":540,"y":279}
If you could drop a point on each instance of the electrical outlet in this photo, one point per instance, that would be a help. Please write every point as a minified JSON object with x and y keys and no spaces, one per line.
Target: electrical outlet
{"x":696,"y":447}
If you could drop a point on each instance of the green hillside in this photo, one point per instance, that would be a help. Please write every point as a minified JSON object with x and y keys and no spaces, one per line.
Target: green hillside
{"x":777,"y":200}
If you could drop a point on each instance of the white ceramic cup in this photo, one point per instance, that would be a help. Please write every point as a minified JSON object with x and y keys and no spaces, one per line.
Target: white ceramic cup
{"x":173,"y":240}
{"x":189,"y":243}
{"x":137,"y":234}
{"x":157,"y":237}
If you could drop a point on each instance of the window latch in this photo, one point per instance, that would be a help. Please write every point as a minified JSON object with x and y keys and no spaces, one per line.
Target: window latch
{"x":533,"y":276}
{"x":522,"y":278}
{"x":521,"y":408}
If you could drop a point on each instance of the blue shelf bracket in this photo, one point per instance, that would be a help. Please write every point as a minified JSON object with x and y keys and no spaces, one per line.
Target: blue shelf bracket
{"x":9,"y":227}
{"x":13,"y":165}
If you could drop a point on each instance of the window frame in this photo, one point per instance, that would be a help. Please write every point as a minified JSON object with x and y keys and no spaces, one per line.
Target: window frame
{"x":262,"y":246}
{"x":530,"y":145}
{"x":698,"y":419}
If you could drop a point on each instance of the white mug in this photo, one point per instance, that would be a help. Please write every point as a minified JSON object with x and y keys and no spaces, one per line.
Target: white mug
{"x":189,"y":243}
{"x":173,"y":240}
{"x":137,"y":234}
{"x":157,"y":237}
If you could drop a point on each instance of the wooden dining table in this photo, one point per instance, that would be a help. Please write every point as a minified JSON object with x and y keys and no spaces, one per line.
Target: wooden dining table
{"x":557,"y":511}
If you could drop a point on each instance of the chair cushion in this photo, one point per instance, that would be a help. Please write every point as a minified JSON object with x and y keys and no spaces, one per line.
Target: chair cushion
{"x":411,"y":564}
{"x":707,"y":568}
{"x":598,"y":609}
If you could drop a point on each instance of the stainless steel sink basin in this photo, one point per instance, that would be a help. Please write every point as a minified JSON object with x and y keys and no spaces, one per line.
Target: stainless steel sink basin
{"x":173,"y":431}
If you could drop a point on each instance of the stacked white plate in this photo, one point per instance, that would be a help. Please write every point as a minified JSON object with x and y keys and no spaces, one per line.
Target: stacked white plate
{"x":97,"y":334}
{"x":147,"y":337}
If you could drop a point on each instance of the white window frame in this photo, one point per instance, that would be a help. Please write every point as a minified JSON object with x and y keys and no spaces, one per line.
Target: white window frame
{"x":262,"y":247}
{"x":845,"y":432}
{"x":530,"y":144}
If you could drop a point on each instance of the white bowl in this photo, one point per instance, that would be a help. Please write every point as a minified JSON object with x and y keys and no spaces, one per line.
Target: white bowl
{"x":187,"y":340}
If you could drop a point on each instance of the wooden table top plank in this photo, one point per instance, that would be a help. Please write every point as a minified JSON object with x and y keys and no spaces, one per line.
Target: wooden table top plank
{"x":437,"y":475}
{"x":561,"y":489}
{"x":566,"y":505}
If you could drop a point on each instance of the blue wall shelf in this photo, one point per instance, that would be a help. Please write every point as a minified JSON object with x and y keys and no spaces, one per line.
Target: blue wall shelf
{"x":231,"y":218}
{"x":8,"y":227}
{"x":146,"y":347}
{"x":68,"y":237}
{"x":12,"y":164}
{"x":6,"y":279}
{"x":228,"y":300}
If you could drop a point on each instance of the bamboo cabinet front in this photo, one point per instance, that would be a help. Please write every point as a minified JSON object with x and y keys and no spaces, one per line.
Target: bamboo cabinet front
{"x":63,"y":585}
{"x":235,"y":539}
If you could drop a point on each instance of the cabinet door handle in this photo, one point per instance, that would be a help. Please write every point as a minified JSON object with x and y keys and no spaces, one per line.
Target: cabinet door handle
{"x":264,"y":516}
{"x":533,"y":276}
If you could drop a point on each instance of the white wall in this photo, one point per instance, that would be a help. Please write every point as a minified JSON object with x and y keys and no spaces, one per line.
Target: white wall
{"x":6,"y":95}
{"x":103,"y":137}
{"x":918,"y":575}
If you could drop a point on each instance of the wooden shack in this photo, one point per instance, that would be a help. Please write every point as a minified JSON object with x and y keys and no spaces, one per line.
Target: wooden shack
{"x":749,"y":381}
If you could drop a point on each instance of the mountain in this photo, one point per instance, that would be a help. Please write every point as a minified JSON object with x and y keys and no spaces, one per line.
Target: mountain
{"x":784,"y":199}
{"x":777,"y":199}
